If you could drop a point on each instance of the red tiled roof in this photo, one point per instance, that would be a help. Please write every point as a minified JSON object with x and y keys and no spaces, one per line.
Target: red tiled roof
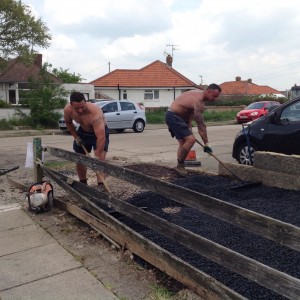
{"x":244,"y":87}
{"x":16,"y":71}
{"x":156,"y":74}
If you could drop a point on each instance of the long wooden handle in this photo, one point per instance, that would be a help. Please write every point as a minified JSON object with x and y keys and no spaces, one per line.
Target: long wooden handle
{"x":215,"y":157}
{"x":97,"y":172}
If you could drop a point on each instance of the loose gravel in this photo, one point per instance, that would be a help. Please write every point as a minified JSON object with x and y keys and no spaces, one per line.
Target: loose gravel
{"x":277,"y":203}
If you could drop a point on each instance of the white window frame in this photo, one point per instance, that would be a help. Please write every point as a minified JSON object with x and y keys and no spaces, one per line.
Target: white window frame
{"x":151,"y":94}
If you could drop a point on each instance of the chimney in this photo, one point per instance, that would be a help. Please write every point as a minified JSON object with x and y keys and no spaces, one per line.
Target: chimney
{"x":238,"y":78}
{"x":249,"y":80}
{"x":169,"y":60}
{"x":38,"y":60}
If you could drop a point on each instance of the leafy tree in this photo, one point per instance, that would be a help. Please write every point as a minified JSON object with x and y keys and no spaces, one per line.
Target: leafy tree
{"x":43,"y":98}
{"x":66,"y":76}
{"x":20,"y":31}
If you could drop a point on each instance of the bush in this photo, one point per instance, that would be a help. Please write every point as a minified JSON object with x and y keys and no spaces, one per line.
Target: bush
{"x":4,"y":104}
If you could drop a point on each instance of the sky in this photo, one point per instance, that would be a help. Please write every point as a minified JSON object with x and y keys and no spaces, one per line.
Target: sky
{"x":212,"y":41}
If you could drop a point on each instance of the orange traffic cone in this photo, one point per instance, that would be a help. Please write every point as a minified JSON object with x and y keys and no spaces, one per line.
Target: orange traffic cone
{"x":191,"y":159}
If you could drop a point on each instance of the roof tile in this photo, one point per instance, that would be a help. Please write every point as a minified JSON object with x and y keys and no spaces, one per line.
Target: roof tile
{"x":156,"y":74}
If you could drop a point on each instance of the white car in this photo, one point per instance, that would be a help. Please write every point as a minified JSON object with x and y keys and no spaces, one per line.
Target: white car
{"x":119,"y":114}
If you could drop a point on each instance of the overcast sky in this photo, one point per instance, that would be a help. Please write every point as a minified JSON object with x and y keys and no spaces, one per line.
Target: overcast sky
{"x":215,"y":40}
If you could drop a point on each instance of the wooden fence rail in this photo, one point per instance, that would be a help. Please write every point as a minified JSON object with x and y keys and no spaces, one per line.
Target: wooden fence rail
{"x":278,"y":231}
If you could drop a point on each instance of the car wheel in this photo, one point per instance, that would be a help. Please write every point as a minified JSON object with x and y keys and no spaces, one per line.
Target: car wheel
{"x":243,"y":154}
{"x":139,"y":125}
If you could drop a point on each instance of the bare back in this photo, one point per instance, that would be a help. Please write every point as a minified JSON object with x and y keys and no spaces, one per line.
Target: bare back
{"x":188,"y":103}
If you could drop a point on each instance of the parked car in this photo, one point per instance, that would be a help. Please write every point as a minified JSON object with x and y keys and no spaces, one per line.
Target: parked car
{"x":254,"y":111}
{"x":123,"y":114}
{"x":62,"y":124}
{"x":278,"y":131}
{"x":96,"y":100}
{"x":119,"y":114}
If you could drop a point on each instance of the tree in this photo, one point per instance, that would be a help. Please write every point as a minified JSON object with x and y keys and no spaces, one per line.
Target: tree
{"x":66,"y":76}
{"x":20,"y":32}
{"x":43,"y":98}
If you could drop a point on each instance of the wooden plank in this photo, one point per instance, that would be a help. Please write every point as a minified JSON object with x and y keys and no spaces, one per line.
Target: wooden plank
{"x":201,"y":283}
{"x":273,"y":279}
{"x":280,"y":232}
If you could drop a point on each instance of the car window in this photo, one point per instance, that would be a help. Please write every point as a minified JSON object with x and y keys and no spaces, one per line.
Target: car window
{"x":255,"y":105}
{"x":111,"y":107}
{"x":127,"y":106}
{"x":291,"y":113}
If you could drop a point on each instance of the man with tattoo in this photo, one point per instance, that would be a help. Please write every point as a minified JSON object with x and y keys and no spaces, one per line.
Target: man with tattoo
{"x":92,"y":133}
{"x":185,"y":108}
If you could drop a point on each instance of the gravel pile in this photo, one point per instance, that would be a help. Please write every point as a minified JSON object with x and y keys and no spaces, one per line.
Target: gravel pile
{"x":277,"y":203}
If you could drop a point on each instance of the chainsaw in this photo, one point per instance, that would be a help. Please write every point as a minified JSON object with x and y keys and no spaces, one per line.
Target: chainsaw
{"x":40,"y":197}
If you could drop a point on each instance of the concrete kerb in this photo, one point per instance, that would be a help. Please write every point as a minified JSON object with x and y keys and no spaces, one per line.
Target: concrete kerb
{"x":271,"y":169}
{"x":34,"y":132}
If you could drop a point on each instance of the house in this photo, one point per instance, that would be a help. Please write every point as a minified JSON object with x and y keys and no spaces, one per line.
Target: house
{"x":295,"y":91}
{"x":15,"y":76}
{"x":155,"y":85}
{"x":241,"y":87}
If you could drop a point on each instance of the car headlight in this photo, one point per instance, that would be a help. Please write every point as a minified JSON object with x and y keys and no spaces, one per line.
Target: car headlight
{"x":255,"y":113}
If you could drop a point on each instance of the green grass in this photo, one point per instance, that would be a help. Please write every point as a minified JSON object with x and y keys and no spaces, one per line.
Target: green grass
{"x":153,"y":117}
{"x":158,"y":116}
{"x":161,"y":293}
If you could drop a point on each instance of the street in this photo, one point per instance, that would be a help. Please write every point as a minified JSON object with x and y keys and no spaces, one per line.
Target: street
{"x":154,"y":145}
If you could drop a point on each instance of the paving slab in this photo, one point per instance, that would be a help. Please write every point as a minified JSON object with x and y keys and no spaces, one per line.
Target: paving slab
{"x":23,"y":238}
{"x":34,"y":266}
{"x":14,"y":218}
{"x":75,"y":284}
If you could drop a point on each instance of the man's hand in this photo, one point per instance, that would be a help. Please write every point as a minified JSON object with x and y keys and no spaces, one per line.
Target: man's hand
{"x":207,"y":148}
{"x":79,"y":142}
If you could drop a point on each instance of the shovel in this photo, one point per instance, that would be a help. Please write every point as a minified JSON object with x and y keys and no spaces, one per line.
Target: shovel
{"x":243,"y":183}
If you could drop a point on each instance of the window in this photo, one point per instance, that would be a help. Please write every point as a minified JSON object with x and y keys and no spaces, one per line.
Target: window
{"x":111,"y":107}
{"x":127,"y":106}
{"x":151,"y":94}
{"x":124,"y":95}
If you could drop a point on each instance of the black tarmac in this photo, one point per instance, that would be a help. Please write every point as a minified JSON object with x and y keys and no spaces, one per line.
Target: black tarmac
{"x":277,"y":203}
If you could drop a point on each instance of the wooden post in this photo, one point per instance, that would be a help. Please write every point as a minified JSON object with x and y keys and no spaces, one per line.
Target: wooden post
{"x":38,"y":173}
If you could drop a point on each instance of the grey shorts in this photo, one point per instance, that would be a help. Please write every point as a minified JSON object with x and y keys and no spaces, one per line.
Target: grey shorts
{"x":177,"y":126}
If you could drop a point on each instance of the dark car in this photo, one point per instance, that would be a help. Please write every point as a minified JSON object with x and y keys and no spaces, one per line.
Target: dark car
{"x":278,"y":131}
{"x":254,"y":111}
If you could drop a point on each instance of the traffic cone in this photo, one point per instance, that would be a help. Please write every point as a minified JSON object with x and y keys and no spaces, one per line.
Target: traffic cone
{"x":191,"y":159}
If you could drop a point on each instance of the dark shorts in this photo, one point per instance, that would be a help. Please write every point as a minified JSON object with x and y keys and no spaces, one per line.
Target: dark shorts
{"x":177,"y":126}
{"x":90,"y":140}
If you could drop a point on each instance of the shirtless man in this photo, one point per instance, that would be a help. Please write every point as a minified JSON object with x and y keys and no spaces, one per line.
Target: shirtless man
{"x":187,"y":107}
{"x":92,"y":133}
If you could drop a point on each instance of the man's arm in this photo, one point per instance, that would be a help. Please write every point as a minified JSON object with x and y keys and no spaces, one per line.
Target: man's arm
{"x":99,"y":129}
{"x":70,"y":126}
{"x":198,"y":115}
{"x":198,"y":112}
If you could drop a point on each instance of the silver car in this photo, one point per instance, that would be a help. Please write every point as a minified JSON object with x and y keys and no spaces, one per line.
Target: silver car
{"x":119,"y":114}
{"x":123,"y":114}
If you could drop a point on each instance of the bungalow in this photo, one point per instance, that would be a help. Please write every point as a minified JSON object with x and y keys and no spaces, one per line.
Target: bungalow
{"x":241,"y":87}
{"x":155,"y":85}
{"x":15,"y":75}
